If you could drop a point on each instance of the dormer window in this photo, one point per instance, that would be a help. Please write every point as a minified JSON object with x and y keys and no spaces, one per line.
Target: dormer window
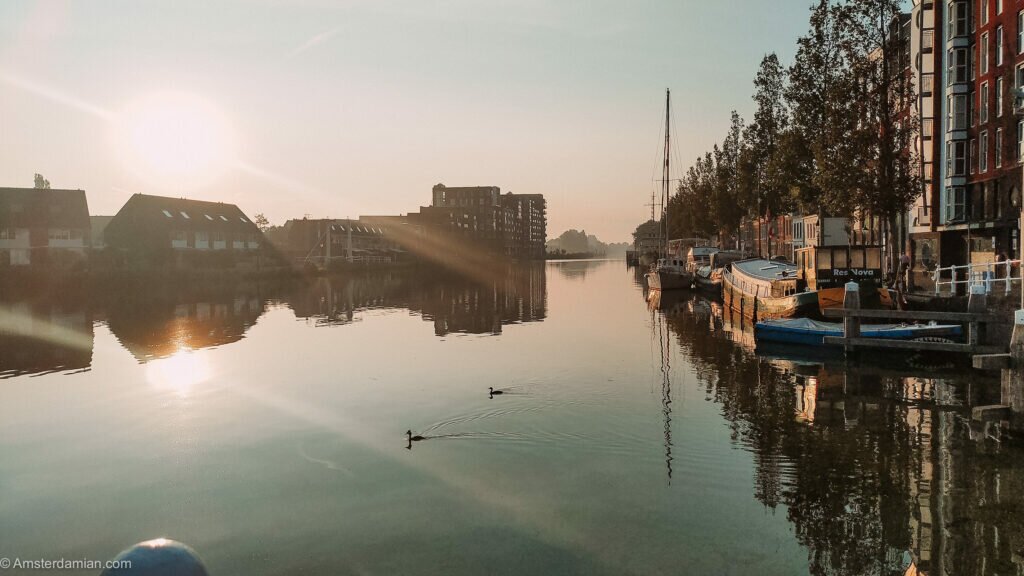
{"x":168,"y":214}
{"x":208,"y":217}
{"x":242,"y":218}
{"x":184,"y":215}
{"x":223,"y":218}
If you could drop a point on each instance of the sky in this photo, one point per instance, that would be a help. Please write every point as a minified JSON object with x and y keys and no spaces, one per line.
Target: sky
{"x":341,"y":108}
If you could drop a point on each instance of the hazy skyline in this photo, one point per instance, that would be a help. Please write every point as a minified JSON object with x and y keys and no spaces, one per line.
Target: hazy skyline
{"x":341,"y":109}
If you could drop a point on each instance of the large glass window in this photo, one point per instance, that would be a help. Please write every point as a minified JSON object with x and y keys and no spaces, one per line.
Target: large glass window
{"x":983,"y":152}
{"x":999,"y":97}
{"x":956,"y":199}
{"x":973,"y":148}
{"x":958,"y":65}
{"x":999,"y":46}
{"x":958,"y":112}
{"x":983,"y":46}
{"x":984,"y":102}
{"x":999,"y":147}
{"x":1020,"y":139}
{"x":959,"y":158}
{"x":984,"y":11}
{"x":1020,"y":32}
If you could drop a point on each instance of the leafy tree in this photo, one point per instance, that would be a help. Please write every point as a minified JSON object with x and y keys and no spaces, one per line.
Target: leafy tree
{"x":764,"y":181}
{"x":261,"y":222}
{"x":41,"y":183}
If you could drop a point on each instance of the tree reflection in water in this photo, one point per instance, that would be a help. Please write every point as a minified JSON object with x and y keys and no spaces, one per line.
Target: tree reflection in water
{"x":880,"y":471}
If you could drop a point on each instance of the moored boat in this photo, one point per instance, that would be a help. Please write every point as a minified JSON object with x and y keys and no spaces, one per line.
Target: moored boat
{"x":669,"y":274}
{"x":708,"y":276}
{"x":810,"y":332}
{"x":764,"y":289}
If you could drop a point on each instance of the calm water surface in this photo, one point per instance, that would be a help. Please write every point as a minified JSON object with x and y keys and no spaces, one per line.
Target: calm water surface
{"x":265,"y":426}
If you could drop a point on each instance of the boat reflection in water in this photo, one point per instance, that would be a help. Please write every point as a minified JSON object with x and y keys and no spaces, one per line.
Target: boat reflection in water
{"x":879,"y":467}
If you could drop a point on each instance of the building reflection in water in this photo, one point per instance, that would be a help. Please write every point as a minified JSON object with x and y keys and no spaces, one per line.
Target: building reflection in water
{"x":161,"y":324}
{"x":878,"y":465}
{"x":455,"y":304}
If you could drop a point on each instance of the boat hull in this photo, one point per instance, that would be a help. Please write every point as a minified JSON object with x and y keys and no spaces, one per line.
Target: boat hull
{"x":664,"y":280}
{"x":834,"y":297}
{"x":804,"y":332}
{"x":799,"y":305}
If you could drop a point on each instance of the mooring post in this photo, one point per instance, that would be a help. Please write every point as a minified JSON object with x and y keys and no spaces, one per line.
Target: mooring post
{"x":977,"y":303}
{"x":851,"y":324}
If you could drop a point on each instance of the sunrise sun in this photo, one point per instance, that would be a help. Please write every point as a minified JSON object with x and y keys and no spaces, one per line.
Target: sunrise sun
{"x":174,"y":139}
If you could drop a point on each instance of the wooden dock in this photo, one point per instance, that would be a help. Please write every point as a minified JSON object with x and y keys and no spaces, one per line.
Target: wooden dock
{"x":974,"y":321}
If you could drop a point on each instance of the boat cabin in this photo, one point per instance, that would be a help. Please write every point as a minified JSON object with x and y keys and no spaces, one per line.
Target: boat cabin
{"x":767,"y":278}
{"x":823,"y":267}
{"x":723,"y":258}
{"x":700,"y":256}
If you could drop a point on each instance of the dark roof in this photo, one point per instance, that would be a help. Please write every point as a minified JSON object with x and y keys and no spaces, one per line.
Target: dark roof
{"x":183,"y":214}
{"x":43,"y":208}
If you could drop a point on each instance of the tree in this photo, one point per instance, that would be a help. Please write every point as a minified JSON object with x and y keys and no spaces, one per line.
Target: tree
{"x":764,"y":181}
{"x":41,"y":183}
{"x":727,"y":201}
{"x":261,"y":222}
{"x":819,"y":98}
{"x":889,"y":184}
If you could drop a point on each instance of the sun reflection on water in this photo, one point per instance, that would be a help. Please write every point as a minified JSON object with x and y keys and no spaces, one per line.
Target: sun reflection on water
{"x":179,"y":372}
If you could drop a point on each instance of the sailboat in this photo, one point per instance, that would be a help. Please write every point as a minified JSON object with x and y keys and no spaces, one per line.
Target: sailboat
{"x":670,"y":272}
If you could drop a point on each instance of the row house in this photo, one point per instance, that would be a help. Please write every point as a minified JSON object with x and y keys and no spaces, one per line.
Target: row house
{"x":969,"y":61}
{"x":163,"y":230}
{"x":43,"y":227}
{"x":332,"y":240}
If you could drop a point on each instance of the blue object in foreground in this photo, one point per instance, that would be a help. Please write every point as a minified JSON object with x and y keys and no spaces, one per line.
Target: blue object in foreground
{"x":806,"y":331}
{"x":160,"y":557}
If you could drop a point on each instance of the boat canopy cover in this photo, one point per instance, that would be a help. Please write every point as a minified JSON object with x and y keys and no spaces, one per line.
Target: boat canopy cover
{"x":810,"y":325}
{"x":765,"y":269}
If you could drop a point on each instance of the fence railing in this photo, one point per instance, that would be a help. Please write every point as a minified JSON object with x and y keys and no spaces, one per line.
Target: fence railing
{"x":991,"y":275}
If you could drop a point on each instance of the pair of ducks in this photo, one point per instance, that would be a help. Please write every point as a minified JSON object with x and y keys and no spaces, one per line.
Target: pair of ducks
{"x":491,"y":392}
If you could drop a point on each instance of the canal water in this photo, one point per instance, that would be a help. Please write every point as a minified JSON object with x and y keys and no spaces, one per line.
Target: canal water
{"x":265,"y":426}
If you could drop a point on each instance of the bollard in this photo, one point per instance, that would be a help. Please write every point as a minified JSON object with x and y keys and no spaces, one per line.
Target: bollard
{"x":160,"y":557}
{"x":977,"y":302}
{"x":851,"y":301}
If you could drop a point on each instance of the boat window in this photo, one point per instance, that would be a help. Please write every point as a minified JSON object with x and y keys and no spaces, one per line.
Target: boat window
{"x":839,"y":258}
{"x":874,"y":258}
{"x":856,"y":257}
{"x":824,"y":260}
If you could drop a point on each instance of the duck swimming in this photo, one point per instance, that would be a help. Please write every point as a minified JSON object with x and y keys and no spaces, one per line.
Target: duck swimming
{"x":494,"y":392}
{"x":412,"y":438}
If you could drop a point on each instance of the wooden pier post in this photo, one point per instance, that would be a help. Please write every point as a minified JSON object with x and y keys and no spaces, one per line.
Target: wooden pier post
{"x":977,"y":302}
{"x":851,"y":301}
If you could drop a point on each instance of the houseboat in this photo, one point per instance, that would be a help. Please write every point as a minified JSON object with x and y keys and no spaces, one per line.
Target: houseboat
{"x":763,"y":289}
{"x":827,"y":269}
{"x":708,"y":277}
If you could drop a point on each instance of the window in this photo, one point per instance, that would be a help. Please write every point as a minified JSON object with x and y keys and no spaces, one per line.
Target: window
{"x":958,"y":18}
{"x":11,"y":233}
{"x":223,"y":218}
{"x":999,"y":97}
{"x":242,"y":218}
{"x":958,"y":112}
{"x":955,"y":202}
{"x":983,"y":152}
{"x":927,"y":84}
{"x":984,"y":11}
{"x":202,"y":237}
{"x":999,"y":46}
{"x":999,"y":147}
{"x":184,"y":215}
{"x":959,"y":158}
{"x":983,"y":46}
{"x":1020,"y":140}
{"x":984,"y":102}
{"x":958,"y":65}
{"x":974,"y":63}
{"x":168,"y":214}
{"x":1020,"y":32}
{"x":974,"y":155}
{"x":999,"y":6}
{"x":926,"y":129}
{"x":208,"y":217}
{"x":60,"y":234}
{"x":971,"y":116}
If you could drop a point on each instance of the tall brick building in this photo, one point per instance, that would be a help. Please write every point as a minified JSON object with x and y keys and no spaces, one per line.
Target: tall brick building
{"x":969,"y":59}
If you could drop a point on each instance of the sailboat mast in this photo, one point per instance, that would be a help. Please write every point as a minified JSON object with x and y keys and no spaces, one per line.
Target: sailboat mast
{"x":665,"y":178}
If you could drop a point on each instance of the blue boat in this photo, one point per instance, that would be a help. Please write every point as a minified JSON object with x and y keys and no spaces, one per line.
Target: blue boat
{"x":808,"y":332}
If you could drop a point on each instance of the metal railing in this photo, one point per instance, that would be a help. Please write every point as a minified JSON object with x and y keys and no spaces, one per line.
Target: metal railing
{"x":991,"y":275}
